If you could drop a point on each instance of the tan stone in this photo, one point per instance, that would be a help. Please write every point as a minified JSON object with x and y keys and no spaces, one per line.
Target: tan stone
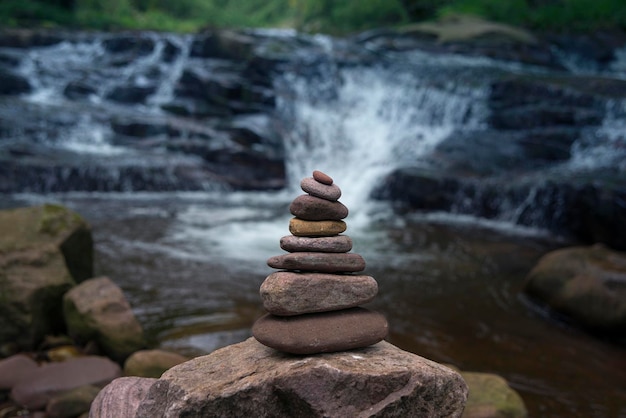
{"x":302,"y":228}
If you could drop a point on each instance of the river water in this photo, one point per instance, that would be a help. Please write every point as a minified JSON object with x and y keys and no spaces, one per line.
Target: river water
{"x":450,"y":285}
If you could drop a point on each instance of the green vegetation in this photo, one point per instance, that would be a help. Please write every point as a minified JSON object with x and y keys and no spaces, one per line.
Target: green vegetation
{"x":309,"y":15}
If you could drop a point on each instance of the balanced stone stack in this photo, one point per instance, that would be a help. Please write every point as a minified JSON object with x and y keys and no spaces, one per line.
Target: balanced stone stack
{"x":314,"y":300}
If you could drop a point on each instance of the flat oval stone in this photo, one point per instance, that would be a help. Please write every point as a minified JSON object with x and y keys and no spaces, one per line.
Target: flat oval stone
{"x":311,"y":208}
{"x":322,"y":177}
{"x":287,"y":293}
{"x":323,"y":332}
{"x":334,"y":244}
{"x":322,"y":262}
{"x":303,"y":228}
{"x":324,"y":191}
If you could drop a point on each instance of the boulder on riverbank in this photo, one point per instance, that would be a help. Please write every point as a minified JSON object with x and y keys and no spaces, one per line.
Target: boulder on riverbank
{"x":44,"y":251}
{"x":587,"y":284}
{"x":97,"y":310}
{"x":251,"y":379}
{"x":490,"y":396}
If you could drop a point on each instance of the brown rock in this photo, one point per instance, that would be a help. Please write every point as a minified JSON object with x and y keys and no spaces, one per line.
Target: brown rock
{"x":302,"y":228}
{"x":321,"y":332}
{"x":334,"y":244}
{"x":34,"y":390}
{"x":322,"y":262}
{"x":322,"y":177}
{"x":311,"y":208}
{"x":151,"y":363}
{"x":121,"y":398}
{"x":72,"y":403}
{"x":314,"y":188}
{"x":98,"y":310}
{"x":288,"y":293}
{"x":250,"y":380}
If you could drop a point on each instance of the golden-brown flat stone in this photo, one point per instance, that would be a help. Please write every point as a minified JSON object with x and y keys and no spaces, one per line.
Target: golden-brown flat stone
{"x":302,"y":228}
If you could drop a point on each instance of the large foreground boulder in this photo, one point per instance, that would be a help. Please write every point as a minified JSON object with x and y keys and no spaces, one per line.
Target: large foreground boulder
{"x":44,"y":251}
{"x":97,"y":310}
{"x":249,"y":379}
{"x":587,"y":284}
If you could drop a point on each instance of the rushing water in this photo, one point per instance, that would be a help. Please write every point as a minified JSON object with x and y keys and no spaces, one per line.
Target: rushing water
{"x":450,"y":285}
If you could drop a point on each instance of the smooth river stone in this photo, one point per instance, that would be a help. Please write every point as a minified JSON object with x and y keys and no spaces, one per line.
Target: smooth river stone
{"x":322,"y":177}
{"x":334,"y":244}
{"x":311,"y":208}
{"x":302,"y":228}
{"x":321,"y":262}
{"x":323,"y":332}
{"x":325,"y":191}
{"x":287,"y":293}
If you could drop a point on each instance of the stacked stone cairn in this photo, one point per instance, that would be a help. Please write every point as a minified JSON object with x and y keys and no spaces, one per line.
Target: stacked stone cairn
{"x":314,"y":300}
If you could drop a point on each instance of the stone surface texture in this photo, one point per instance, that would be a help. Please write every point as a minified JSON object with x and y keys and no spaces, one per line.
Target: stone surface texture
{"x":72,"y":403}
{"x":311,"y":208}
{"x":121,"y":398}
{"x":249,"y":379}
{"x":322,"y":332}
{"x":302,"y":228}
{"x":491,"y":396}
{"x":322,"y":262}
{"x":325,"y":191}
{"x":98,"y":310}
{"x":13,"y":368}
{"x":44,"y":251}
{"x":290,"y":293}
{"x":334,"y":244}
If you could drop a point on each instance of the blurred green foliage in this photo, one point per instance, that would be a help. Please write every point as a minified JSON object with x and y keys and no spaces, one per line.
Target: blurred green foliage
{"x":331,"y":16}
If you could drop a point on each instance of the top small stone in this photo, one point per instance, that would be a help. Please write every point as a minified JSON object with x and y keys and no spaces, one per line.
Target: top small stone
{"x":322,"y":177}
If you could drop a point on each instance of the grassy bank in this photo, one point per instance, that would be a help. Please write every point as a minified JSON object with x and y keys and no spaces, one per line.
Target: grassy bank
{"x":309,"y":15}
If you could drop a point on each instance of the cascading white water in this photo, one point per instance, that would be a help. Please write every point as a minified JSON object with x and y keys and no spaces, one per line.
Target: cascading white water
{"x":358,"y":124}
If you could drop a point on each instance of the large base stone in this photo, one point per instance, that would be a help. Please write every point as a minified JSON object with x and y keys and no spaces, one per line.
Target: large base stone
{"x":249,"y":379}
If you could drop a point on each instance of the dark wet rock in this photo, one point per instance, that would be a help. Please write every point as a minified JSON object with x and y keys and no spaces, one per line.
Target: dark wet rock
{"x":28,"y":38}
{"x":130,"y":94}
{"x":121,"y":397}
{"x":139,"y":129}
{"x":44,"y":251}
{"x":151,"y":363}
{"x":313,"y":208}
{"x":97,"y":310}
{"x":321,"y":262}
{"x":135,"y":44}
{"x":36,"y":389}
{"x":250,"y":379}
{"x":587,"y":284}
{"x":13,"y":84}
{"x":334,"y":244}
{"x":290,"y":293}
{"x":323,"y":332}
{"x":77,"y":90}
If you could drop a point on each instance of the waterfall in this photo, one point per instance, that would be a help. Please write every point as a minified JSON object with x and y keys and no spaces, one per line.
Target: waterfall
{"x":359,"y":123}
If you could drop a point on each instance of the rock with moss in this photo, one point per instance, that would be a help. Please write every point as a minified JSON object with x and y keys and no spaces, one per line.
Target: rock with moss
{"x":587,"y":284}
{"x":44,"y":251}
{"x":490,"y":396}
{"x":97,"y":310}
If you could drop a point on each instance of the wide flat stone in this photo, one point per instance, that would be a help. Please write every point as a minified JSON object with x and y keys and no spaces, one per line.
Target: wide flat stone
{"x":325,"y":191}
{"x":322,"y":177}
{"x":302,"y":228}
{"x":251,"y":380}
{"x":288,"y":293}
{"x":334,"y":244}
{"x":323,"y":332}
{"x":311,"y":208}
{"x":321,"y":262}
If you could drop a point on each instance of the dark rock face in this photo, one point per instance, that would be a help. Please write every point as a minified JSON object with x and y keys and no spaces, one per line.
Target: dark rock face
{"x":11,"y":84}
